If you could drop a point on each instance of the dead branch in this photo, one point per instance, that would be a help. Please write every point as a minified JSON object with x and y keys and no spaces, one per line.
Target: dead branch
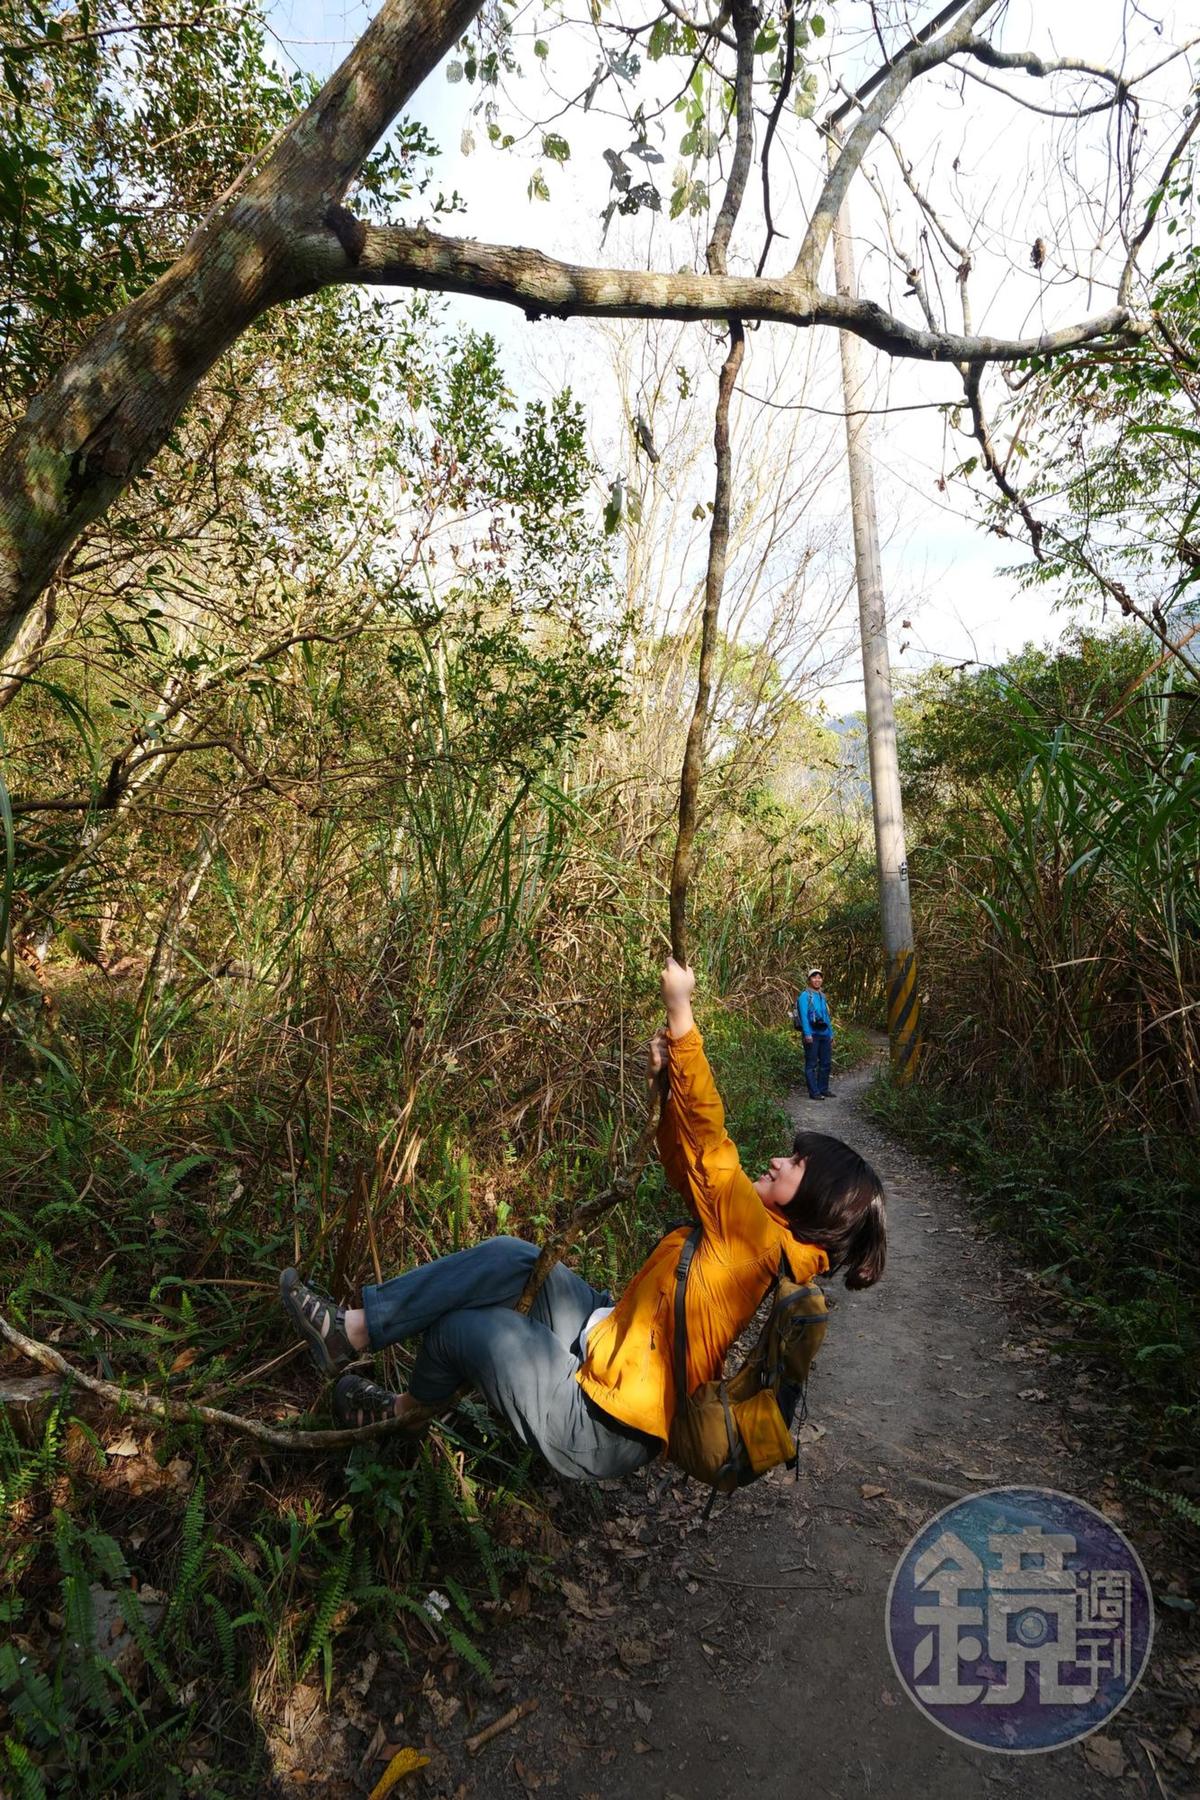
{"x":184,"y":1412}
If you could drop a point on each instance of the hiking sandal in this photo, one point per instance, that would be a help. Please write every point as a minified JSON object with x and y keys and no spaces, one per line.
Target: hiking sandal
{"x":358,"y":1402}
{"x":320,"y":1323}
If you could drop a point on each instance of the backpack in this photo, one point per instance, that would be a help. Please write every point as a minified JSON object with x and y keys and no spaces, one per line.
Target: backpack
{"x":728,"y":1433}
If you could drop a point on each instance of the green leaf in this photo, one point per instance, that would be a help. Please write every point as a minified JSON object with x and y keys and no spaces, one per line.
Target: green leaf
{"x":612,"y":512}
{"x":556,"y":147}
{"x":662,"y":38}
{"x":541,"y":49}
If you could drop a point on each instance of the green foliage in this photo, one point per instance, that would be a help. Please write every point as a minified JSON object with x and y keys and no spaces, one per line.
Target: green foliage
{"x":1104,"y":1215}
{"x":118,"y":130}
{"x":1057,"y":823}
{"x":192,"y":1553}
{"x":1179,"y":1504}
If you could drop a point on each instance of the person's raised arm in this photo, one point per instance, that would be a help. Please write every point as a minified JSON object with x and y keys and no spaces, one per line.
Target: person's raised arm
{"x":670,"y":1151}
{"x":678,"y":986}
{"x":695,"y":1106}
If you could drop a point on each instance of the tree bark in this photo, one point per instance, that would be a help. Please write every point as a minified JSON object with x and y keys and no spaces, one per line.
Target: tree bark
{"x":99,"y":421}
{"x":891,"y":858}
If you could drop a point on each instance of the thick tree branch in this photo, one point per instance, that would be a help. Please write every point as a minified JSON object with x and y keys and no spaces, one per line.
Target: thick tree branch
{"x":543,"y":287}
{"x":101,"y":418}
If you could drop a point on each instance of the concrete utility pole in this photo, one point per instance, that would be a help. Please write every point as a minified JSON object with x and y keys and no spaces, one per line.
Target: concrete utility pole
{"x":903,"y":1002}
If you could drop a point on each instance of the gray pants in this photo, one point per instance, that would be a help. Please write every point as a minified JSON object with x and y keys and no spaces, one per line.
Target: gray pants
{"x":525,"y":1367}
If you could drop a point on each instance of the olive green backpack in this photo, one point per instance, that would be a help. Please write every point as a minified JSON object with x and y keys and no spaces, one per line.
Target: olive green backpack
{"x":728,"y":1433}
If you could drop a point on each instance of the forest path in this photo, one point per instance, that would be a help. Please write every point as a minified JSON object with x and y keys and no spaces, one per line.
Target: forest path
{"x":676,"y":1660}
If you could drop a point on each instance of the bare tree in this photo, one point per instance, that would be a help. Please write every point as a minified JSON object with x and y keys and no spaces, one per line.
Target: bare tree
{"x":284,"y":231}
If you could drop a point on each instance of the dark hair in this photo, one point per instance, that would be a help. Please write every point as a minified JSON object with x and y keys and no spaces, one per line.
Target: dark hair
{"x":839,"y":1206}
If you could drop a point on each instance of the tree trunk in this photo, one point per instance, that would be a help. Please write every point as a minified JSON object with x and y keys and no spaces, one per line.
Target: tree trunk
{"x":903,"y":1002}
{"x":99,"y":421}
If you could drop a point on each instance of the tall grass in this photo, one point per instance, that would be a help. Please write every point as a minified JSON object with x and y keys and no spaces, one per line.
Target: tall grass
{"x":1059,"y":940}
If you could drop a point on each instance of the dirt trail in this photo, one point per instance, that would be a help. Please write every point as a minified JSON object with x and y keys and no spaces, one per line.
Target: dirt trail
{"x":676,"y":1660}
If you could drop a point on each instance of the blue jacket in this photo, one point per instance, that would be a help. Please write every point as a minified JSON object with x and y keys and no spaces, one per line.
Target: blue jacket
{"x":812,"y":1009}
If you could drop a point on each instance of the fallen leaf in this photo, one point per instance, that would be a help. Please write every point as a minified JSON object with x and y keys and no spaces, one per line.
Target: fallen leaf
{"x":1181,"y":1741}
{"x":405,"y":1762}
{"x":364,"y":1675}
{"x":641,"y":1746}
{"x":375,"y":1748}
{"x":635,"y":1653}
{"x":642,"y":1711}
{"x":185,"y":1359}
{"x":1106,"y":1756}
{"x":123,"y":1446}
{"x":577,"y":1599}
{"x":1030,"y":1394}
{"x":869,"y":1491}
{"x":444,"y":1707}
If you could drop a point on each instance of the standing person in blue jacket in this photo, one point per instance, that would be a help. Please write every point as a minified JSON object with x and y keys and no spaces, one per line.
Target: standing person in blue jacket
{"x":812,"y":1018}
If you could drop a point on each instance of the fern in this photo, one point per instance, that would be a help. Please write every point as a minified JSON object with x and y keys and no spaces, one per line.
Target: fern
{"x":107,"y":1555}
{"x":25,"y":1773}
{"x":470,"y":1653}
{"x":29,"y":1696}
{"x":1180,"y":1505}
{"x":193,"y":1546}
{"x":485,"y":1551}
{"x":456,"y":1638}
{"x":139,"y":1631}
{"x":223,"y":1626}
{"x":79,"y":1619}
{"x":460,"y":1600}
{"x":254,"y":1587}
{"x":329,"y":1605}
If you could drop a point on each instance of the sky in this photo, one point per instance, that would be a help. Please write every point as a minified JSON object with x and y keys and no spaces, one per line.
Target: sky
{"x":1003,"y":175}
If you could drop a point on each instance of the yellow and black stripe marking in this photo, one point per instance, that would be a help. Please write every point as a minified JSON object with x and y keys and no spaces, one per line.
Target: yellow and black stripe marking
{"x":904,"y":1016}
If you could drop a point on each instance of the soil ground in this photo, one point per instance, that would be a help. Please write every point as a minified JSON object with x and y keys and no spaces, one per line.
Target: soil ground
{"x":671,"y":1659}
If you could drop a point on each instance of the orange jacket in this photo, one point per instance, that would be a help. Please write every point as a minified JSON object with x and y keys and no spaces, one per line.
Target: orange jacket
{"x":628,"y":1370}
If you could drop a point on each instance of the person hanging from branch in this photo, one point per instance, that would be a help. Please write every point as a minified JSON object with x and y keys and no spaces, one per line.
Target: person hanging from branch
{"x":589,"y":1382}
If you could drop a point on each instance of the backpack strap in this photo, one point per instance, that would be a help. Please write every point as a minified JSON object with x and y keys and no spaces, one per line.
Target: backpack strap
{"x":680,"y":1334}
